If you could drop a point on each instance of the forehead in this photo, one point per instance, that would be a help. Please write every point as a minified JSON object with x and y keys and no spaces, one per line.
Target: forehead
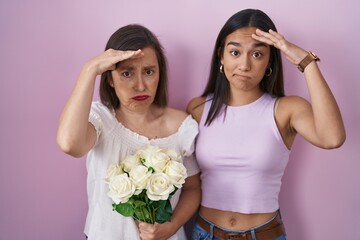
{"x":241,"y":36}
{"x":149,"y":58}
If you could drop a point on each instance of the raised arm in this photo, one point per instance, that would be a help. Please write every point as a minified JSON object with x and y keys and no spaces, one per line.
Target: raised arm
{"x":75,"y":135}
{"x":319,"y":121}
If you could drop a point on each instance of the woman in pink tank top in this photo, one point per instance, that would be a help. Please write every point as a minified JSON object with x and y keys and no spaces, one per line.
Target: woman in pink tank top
{"x":246,"y":66}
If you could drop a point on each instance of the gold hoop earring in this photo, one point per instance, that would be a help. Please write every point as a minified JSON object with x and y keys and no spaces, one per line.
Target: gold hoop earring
{"x":222,"y":68}
{"x":268,"y":72}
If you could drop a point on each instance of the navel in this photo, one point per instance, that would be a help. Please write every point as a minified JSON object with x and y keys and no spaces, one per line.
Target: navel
{"x":233,"y":221}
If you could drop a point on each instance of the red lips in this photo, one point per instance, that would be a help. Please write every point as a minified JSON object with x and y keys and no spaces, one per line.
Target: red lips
{"x":141,"y":97}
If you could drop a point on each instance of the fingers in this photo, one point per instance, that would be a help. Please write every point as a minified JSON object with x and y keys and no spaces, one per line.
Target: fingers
{"x":108,"y":59}
{"x":118,"y":55}
{"x":271,"y":38}
{"x":147,"y":231}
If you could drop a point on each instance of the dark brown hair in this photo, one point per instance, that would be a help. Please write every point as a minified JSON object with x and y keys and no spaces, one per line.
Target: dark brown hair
{"x":134,"y":37}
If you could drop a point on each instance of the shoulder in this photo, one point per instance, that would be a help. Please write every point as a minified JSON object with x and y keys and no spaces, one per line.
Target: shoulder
{"x":288,"y":107}
{"x":100,"y":108}
{"x":196,"y":107}
{"x":175,"y":114}
{"x":292,"y":103}
{"x":173,"y":118}
{"x":184,"y":125}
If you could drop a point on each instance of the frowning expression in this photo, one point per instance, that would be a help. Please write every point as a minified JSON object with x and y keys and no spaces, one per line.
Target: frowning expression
{"x":245,"y":60}
{"x":135,"y":80}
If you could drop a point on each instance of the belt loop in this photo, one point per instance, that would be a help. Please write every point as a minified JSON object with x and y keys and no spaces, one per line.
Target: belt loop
{"x":253,"y":237}
{"x":211,"y":231}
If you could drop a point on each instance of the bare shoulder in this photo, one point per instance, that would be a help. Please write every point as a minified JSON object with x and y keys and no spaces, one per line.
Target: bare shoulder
{"x":173,"y":118}
{"x":292,"y":103}
{"x":196,"y":107}
{"x":176,"y":114}
{"x":289,"y":108}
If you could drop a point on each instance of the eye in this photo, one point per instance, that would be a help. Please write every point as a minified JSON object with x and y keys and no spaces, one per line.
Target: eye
{"x":235,"y":53}
{"x":126,"y":74}
{"x":149,"y":72}
{"x":257,"y":54}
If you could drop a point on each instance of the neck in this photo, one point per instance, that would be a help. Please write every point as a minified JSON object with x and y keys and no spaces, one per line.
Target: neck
{"x":125,"y":115}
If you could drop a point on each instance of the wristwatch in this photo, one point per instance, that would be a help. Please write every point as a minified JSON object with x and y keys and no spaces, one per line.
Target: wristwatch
{"x":308,"y":59}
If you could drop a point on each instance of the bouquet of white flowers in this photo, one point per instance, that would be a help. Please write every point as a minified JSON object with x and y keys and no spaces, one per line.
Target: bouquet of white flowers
{"x":142,"y":184}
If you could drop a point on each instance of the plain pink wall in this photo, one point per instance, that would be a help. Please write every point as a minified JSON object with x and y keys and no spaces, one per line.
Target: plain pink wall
{"x":43,"y":45}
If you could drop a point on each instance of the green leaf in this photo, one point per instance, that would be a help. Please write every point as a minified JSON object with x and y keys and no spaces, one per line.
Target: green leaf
{"x":143,"y":214}
{"x":162,"y":216}
{"x":139,"y":204}
{"x":161,"y":203}
{"x":139,"y":215}
{"x":124,"y":209}
{"x":168,"y":207}
{"x":163,"y":211}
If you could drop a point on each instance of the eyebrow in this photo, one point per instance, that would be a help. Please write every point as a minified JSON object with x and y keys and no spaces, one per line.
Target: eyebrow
{"x":131,"y":67}
{"x":150,"y":66}
{"x":128,"y":67}
{"x":237,"y":44}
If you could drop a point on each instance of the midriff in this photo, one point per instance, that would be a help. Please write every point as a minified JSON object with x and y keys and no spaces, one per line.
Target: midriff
{"x":233,"y":220}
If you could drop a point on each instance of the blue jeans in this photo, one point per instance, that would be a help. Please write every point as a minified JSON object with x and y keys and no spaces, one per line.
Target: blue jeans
{"x":201,"y":234}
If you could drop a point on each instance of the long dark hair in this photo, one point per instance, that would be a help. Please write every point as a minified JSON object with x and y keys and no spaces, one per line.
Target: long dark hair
{"x":218,"y":85}
{"x":134,"y":37}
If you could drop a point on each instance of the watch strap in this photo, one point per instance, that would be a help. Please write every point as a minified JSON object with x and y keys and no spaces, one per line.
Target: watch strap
{"x":307,"y":60}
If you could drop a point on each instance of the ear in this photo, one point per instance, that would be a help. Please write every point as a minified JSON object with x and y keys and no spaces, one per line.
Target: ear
{"x":111,"y":82}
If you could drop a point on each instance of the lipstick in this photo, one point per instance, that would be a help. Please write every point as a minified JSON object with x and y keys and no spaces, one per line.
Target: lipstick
{"x":141,"y":97}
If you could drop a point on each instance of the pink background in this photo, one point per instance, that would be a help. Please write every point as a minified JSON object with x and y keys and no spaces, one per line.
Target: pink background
{"x":43,"y":45}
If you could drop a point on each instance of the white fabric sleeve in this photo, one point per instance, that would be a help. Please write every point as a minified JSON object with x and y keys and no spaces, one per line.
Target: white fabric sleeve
{"x":188,"y":133}
{"x":95,"y":120}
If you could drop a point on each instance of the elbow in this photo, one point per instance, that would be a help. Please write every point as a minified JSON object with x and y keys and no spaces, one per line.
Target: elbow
{"x":68,"y":147}
{"x":335,"y":142}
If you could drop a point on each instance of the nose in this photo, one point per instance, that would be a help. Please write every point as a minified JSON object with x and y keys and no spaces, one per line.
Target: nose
{"x":140,"y":84}
{"x":244,"y":63}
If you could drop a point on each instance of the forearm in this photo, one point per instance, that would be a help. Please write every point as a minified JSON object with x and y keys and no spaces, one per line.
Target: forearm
{"x":328,"y":122}
{"x":188,"y":204}
{"x":73,"y":125}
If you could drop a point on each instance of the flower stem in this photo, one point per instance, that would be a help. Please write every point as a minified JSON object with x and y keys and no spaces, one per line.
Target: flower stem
{"x":153,"y":214}
{"x":143,"y":215}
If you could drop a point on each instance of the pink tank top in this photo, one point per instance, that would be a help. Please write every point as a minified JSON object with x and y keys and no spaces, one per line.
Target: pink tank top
{"x":242,"y":158}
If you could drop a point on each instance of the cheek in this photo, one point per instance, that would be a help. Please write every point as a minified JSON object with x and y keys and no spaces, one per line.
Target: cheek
{"x":153,"y":83}
{"x":229,"y":64}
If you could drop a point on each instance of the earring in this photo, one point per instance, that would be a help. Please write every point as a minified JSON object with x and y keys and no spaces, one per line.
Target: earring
{"x":222,"y":68}
{"x":268,"y":72}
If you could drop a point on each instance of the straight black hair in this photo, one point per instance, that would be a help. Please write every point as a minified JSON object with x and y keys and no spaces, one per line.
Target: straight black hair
{"x":217,"y":83}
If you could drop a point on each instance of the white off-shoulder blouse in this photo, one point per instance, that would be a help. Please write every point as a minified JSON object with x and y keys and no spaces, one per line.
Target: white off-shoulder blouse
{"x":114,"y":142}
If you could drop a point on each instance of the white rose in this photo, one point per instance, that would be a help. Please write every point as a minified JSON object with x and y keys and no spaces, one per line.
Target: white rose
{"x":130,"y":162}
{"x":121,"y":188}
{"x":140,"y":176}
{"x":160,"y":186}
{"x":153,"y":157}
{"x":113,"y":170}
{"x":176,"y":172}
{"x":172,"y":154}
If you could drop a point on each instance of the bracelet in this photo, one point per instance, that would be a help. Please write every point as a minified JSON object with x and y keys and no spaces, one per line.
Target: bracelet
{"x":308,"y":59}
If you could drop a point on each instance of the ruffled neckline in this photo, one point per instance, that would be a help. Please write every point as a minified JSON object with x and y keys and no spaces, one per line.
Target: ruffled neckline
{"x":146,"y":139}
